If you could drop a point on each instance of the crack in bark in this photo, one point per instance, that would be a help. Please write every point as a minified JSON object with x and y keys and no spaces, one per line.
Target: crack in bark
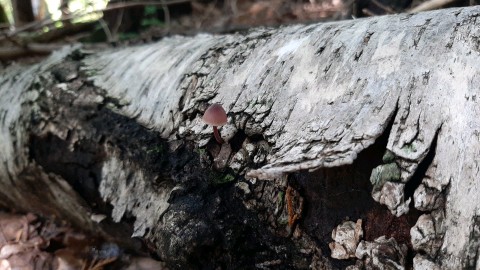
{"x":419,"y":35}
{"x":345,"y":191}
{"x":473,"y":249}
{"x":449,"y":44}
{"x":421,"y":170}
{"x":414,"y":137}
{"x":358,"y":55}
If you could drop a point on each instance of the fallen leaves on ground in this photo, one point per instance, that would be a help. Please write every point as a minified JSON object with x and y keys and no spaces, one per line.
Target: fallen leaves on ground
{"x":28,"y":242}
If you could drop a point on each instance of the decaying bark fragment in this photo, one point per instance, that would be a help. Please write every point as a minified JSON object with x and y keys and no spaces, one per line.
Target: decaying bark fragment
{"x":346,"y":236}
{"x":427,"y":234}
{"x":386,"y":187}
{"x":382,"y":254}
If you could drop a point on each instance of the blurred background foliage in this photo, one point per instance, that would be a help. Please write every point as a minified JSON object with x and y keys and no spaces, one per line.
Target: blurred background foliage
{"x":33,"y":28}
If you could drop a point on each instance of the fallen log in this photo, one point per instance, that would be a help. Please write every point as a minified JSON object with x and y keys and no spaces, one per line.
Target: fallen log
{"x":322,"y":118}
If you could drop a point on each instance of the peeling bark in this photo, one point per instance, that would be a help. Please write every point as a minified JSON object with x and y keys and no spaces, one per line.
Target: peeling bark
{"x":319,"y":110}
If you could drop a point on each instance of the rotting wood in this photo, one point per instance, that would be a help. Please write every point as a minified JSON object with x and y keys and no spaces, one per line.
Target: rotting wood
{"x":312,"y":97}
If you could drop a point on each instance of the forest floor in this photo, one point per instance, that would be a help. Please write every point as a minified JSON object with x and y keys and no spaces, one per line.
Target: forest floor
{"x":30,"y":242}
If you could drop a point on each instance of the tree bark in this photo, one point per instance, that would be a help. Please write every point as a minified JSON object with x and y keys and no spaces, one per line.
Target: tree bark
{"x":22,"y":12}
{"x":322,"y":118}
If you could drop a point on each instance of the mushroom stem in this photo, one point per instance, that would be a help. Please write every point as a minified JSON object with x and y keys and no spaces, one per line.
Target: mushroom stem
{"x":217,"y":135}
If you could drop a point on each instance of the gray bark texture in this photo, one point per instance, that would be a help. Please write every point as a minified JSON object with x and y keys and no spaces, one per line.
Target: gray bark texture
{"x":373,"y":120}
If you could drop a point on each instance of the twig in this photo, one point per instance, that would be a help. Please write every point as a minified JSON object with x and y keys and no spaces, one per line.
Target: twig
{"x":106,"y":30}
{"x":136,"y":4}
{"x":35,"y":49}
{"x":116,"y":26}
{"x":368,"y":12}
{"x":384,"y":7}
{"x":65,"y":30}
{"x":430,"y":5}
{"x":166,"y":15}
{"x":14,"y":41}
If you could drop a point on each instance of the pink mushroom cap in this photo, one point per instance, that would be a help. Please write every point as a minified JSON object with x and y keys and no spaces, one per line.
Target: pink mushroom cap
{"x":215,"y":115}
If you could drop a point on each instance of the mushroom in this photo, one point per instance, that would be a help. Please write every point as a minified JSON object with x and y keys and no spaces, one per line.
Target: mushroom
{"x":215,"y":116}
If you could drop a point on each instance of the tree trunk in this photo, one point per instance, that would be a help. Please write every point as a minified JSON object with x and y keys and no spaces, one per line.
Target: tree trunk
{"x":3,"y":17}
{"x":324,"y":120}
{"x":22,"y":12}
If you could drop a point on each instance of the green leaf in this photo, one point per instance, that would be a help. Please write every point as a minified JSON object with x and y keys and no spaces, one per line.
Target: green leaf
{"x":151,"y":22}
{"x":150,"y":10}
{"x":127,"y":36}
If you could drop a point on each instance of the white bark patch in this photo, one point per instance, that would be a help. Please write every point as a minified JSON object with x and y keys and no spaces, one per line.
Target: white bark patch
{"x":15,"y":92}
{"x":147,"y":78}
{"x":131,"y":194}
{"x":387,"y":54}
{"x":423,"y":263}
{"x":289,"y":48}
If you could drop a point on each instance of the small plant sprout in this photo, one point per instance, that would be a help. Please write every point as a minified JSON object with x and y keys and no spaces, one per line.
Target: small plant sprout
{"x":215,"y":116}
